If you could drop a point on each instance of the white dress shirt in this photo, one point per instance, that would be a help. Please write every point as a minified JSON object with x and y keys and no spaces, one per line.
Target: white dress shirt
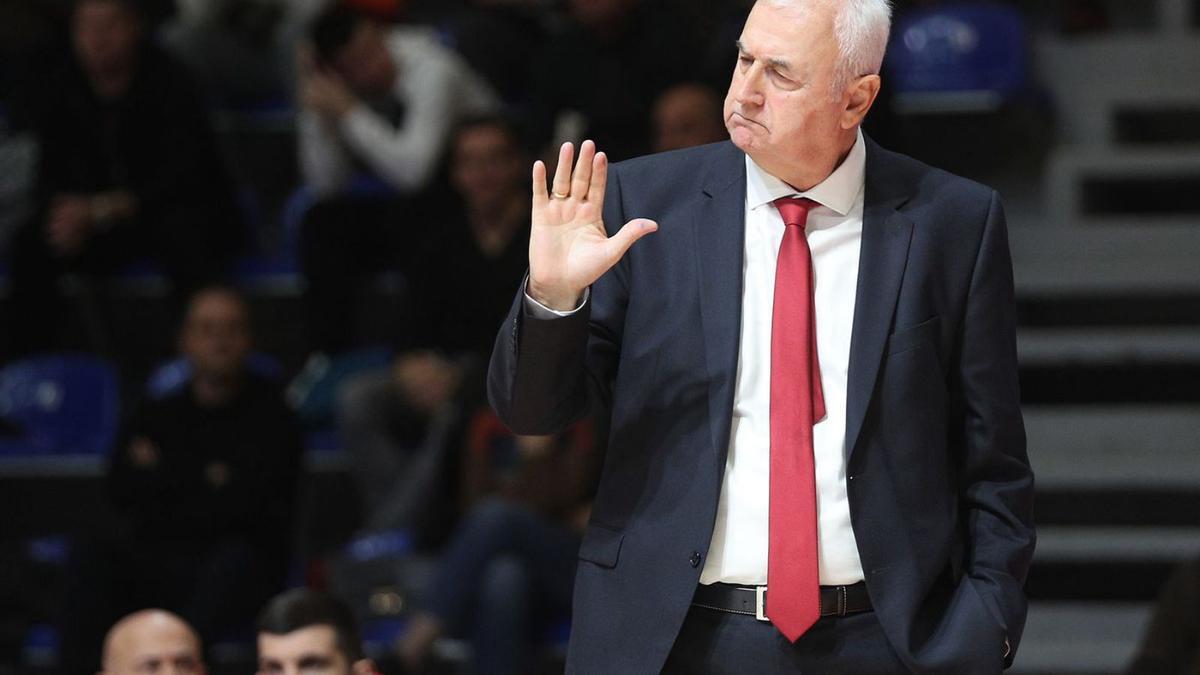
{"x":437,"y":88}
{"x":738,"y":552}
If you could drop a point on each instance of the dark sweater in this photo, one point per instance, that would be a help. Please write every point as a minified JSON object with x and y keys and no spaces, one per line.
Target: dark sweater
{"x":254,"y":439}
{"x":462,"y":294}
{"x":155,"y":141}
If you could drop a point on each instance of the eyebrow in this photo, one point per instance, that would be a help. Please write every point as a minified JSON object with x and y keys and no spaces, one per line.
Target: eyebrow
{"x":778,"y":63}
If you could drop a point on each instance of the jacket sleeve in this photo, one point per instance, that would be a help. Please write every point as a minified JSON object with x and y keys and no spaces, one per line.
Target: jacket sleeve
{"x":997,"y":490}
{"x":547,"y":373}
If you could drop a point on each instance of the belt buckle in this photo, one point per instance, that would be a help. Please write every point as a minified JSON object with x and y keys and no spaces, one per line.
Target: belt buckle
{"x":760,"y":603}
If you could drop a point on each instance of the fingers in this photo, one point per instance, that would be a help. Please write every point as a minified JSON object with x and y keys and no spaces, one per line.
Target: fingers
{"x":562,"y":173}
{"x":540,"y":196}
{"x":583,"y":171}
{"x":595,"y":193}
{"x":635,"y":229}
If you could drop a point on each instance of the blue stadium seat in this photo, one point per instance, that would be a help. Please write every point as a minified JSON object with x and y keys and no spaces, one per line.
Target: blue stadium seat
{"x":63,"y":404}
{"x":958,"y":57}
{"x":379,"y":635}
{"x":170,"y":377}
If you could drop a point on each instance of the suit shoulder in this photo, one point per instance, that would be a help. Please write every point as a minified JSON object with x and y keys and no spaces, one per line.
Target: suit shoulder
{"x":674,"y":163}
{"x":924,"y":182}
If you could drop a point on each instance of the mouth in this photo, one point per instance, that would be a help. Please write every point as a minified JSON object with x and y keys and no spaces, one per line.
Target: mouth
{"x":740,"y":119}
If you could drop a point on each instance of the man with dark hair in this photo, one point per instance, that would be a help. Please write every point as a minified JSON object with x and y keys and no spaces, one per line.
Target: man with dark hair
{"x":378,"y":104}
{"x":129,"y":170}
{"x":307,"y":631}
{"x":387,"y":98}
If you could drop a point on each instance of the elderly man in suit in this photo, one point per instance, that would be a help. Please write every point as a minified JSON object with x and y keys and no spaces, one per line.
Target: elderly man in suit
{"x":816,"y":461}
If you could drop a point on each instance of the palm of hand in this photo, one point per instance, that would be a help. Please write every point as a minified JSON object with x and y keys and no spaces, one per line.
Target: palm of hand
{"x":568,"y":247}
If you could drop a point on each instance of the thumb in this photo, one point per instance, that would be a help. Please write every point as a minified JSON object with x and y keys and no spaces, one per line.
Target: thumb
{"x":635,"y":229}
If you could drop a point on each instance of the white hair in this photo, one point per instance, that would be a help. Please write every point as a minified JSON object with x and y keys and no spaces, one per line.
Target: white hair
{"x":861,"y":28}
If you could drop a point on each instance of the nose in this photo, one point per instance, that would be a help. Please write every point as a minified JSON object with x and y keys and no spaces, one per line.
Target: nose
{"x":748,"y":91}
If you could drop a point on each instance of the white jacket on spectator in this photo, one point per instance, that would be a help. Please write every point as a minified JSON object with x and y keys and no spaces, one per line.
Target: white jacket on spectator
{"x":437,"y":89}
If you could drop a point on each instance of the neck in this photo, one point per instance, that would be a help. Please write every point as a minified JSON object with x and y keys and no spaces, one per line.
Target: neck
{"x":111,"y":84}
{"x":213,"y":390}
{"x":803,"y":180}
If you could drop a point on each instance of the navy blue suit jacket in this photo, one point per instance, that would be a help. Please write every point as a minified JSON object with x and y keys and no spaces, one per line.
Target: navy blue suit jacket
{"x":940,"y":487}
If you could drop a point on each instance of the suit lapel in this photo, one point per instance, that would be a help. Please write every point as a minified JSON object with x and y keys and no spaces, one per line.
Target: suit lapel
{"x":720,"y":248}
{"x":884,"y":254}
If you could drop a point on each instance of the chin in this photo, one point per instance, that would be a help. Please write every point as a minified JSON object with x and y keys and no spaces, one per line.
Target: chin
{"x":742,"y":137}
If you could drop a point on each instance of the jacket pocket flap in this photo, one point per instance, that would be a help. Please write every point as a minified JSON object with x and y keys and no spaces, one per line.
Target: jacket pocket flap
{"x":912,"y":337}
{"x":601,"y":545}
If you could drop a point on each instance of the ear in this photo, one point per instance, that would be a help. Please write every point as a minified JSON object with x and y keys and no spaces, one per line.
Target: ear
{"x":859,"y":96}
{"x":364,"y":667}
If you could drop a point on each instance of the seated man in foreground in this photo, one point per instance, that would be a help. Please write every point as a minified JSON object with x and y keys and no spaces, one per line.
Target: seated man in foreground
{"x":307,"y":631}
{"x":152,"y":641}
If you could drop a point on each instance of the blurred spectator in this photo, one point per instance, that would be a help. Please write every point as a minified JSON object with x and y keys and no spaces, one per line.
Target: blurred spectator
{"x":24,"y":37}
{"x":509,"y":567}
{"x":397,"y":425}
{"x":129,"y":170}
{"x":602,"y":72}
{"x":1171,"y":645}
{"x":18,"y":164}
{"x":305,"y":631}
{"x":500,"y":39}
{"x":205,"y":481}
{"x":381,"y":98}
{"x":687,"y":115}
{"x":242,"y":50}
{"x":384,"y":102}
{"x":152,"y":641}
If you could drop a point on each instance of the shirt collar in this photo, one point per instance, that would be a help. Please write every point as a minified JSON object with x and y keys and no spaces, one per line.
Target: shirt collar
{"x":837,"y":192}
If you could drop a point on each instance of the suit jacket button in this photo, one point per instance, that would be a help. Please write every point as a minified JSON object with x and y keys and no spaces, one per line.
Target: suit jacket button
{"x":695,"y":559}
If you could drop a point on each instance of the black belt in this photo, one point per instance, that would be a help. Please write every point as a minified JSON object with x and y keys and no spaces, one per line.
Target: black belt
{"x":752,"y":600}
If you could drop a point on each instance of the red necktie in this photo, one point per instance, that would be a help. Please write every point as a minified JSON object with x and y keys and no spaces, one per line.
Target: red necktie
{"x":793,"y":596}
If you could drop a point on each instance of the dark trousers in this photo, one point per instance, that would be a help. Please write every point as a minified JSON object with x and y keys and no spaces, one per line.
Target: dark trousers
{"x":401,"y":461}
{"x":720,"y":643}
{"x":506,"y":571}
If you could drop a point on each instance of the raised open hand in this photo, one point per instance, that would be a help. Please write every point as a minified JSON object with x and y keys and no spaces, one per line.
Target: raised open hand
{"x":568,"y":246}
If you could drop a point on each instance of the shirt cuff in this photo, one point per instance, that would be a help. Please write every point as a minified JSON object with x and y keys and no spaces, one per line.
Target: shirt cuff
{"x":540,"y":311}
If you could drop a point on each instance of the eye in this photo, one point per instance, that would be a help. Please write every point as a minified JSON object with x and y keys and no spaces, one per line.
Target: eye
{"x":782,"y":81}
